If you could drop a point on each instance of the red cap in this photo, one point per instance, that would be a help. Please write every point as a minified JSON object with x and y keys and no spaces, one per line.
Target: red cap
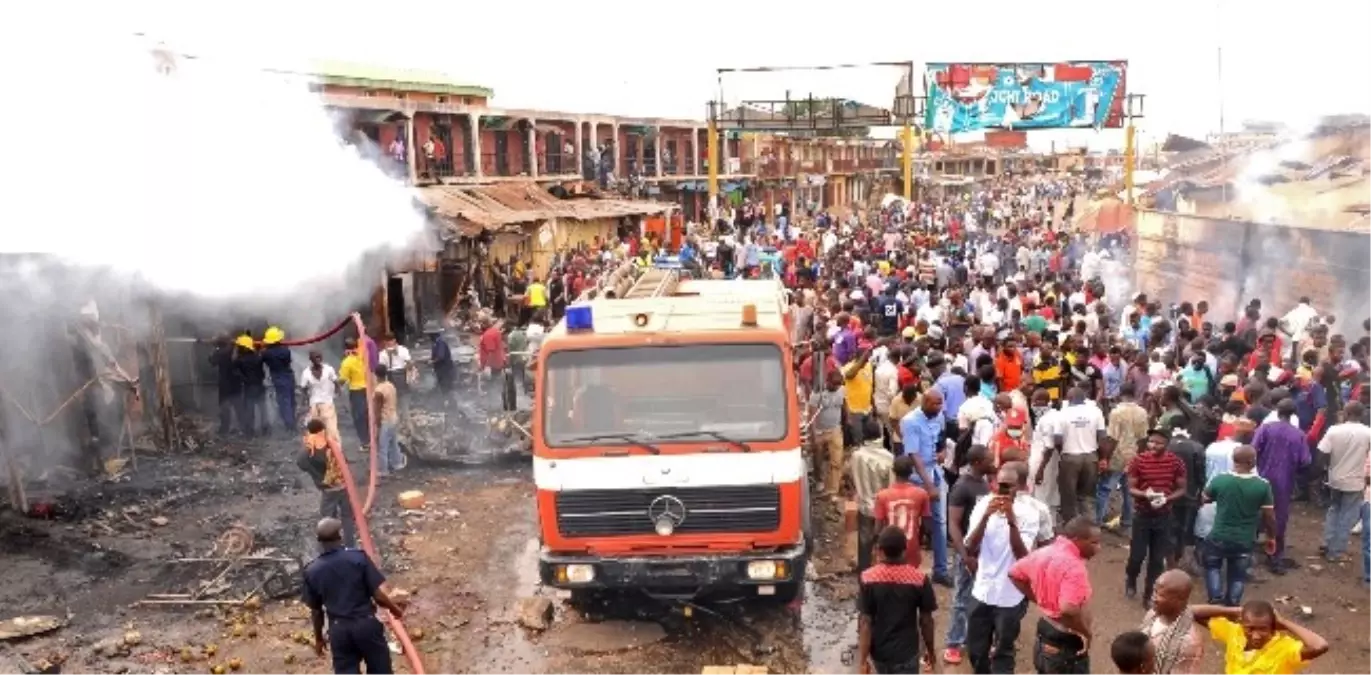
{"x":1015,"y":418}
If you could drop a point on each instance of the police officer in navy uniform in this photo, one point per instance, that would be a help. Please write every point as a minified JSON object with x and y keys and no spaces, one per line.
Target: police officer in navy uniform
{"x":344,"y":583}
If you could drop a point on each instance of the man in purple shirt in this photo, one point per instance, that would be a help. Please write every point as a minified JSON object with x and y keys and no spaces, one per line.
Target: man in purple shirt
{"x":845,"y":345}
{"x":1281,"y":451}
{"x":373,"y":352}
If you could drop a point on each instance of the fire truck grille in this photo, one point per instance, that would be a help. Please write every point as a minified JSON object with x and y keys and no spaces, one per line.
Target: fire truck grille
{"x":599,"y":513}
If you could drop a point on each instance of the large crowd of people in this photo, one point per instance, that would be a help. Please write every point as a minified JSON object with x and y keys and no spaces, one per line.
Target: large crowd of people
{"x":981,"y":380}
{"x":976,"y":384}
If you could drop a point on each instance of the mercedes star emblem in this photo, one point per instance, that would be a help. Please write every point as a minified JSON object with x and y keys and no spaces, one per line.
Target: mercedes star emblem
{"x":666,"y":513}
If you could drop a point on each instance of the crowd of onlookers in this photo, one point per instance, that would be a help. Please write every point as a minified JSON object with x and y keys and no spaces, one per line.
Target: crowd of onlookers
{"x":975,"y":385}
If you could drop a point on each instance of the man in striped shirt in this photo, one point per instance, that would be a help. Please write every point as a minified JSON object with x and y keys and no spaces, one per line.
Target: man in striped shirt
{"x":905,"y":505}
{"x":1156,"y":479}
{"x":871,"y":469}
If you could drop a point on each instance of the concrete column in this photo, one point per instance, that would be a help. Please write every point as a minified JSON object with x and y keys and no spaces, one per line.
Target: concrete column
{"x":475,"y":121}
{"x":410,"y":154}
{"x":533,"y":148}
{"x":618,"y":149}
{"x":723,"y":152}
{"x":695,"y":153}
{"x":657,"y":154}
{"x":580,"y":149}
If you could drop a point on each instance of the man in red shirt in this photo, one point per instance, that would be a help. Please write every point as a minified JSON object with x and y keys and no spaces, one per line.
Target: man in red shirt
{"x":1009,"y":365}
{"x":1156,"y":479}
{"x":904,"y":505}
{"x":805,"y":374}
{"x":491,"y":351}
{"x":1011,"y":440}
{"x":1055,"y":577}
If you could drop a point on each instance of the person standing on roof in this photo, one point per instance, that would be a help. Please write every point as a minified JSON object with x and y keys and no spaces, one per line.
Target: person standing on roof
{"x":276,"y":356}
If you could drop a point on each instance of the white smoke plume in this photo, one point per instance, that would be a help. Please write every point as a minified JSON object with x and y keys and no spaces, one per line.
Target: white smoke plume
{"x":196,"y":176}
{"x":217,"y":191}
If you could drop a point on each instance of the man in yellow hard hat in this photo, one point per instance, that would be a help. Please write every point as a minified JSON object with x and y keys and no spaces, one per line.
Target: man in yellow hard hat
{"x":276,"y":356}
{"x":248,"y":363}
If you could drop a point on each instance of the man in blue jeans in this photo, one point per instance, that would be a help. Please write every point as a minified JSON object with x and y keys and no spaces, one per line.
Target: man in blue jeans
{"x":921,"y":430}
{"x":1347,"y":445}
{"x":389,"y":459}
{"x":1242,"y":500}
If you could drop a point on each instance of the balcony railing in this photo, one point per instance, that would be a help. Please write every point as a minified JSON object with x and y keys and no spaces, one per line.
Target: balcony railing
{"x":440,"y":167}
{"x":772,"y":167}
{"x":690,"y":167}
{"x":557,"y":164}
{"x":498,"y":164}
{"x":844,"y":165}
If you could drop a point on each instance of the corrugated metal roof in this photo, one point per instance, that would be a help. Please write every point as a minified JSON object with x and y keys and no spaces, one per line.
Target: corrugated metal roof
{"x":472,"y":209}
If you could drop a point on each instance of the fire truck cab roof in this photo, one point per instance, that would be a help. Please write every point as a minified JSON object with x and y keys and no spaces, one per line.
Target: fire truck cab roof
{"x":695,"y":305}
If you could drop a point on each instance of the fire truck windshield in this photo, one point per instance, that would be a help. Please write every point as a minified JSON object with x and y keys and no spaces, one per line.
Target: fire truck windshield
{"x":733,"y":391}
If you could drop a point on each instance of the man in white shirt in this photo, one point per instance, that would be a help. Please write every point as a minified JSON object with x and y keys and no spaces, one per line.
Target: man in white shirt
{"x":1041,"y":462}
{"x":320,"y":385}
{"x":395,"y":357}
{"x":1005,"y":525}
{"x":919,"y":298}
{"x":1347,"y":445}
{"x":1296,"y":322}
{"x":932,"y":313}
{"x":886,"y":386}
{"x":1080,"y":432}
{"x":989,"y":265}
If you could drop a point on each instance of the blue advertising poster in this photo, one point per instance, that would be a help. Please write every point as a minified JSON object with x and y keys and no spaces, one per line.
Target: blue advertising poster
{"x":976,"y":97}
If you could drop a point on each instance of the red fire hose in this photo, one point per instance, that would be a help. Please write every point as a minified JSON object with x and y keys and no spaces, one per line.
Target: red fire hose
{"x":360,"y":509}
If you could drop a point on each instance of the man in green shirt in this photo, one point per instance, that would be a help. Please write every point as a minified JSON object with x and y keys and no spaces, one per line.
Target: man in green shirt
{"x":1242,"y":499}
{"x":1034,"y":322}
{"x":517,"y":343}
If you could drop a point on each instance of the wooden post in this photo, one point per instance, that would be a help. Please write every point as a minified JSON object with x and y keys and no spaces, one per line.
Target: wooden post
{"x":18,"y":499}
{"x":161,"y":369}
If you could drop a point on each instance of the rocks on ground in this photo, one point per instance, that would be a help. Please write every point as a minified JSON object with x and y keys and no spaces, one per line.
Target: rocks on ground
{"x":535,"y":613}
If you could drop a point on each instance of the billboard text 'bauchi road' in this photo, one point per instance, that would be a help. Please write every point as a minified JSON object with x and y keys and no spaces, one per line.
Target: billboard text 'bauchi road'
{"x":977,"y":96}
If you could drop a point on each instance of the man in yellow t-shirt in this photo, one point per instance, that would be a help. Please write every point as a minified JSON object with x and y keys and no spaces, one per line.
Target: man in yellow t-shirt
{"x":536,"y":293}
{"x":860,"y":385}
{"x":1258,"y":640}
{"x":353,"y":371}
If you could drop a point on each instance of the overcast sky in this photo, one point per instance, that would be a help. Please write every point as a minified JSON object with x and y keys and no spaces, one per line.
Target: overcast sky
{"x":1287,"y":61}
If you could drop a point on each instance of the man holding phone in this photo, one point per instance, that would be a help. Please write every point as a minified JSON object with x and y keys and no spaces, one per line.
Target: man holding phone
{"x":1006,"y":526}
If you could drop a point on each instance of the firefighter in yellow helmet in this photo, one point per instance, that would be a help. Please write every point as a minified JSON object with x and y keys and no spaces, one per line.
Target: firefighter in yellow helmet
{"x":248,"y":364}
{"x":276,"y":357}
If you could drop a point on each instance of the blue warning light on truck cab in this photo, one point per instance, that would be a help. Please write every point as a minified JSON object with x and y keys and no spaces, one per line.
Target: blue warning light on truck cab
{"x":579,"y":319}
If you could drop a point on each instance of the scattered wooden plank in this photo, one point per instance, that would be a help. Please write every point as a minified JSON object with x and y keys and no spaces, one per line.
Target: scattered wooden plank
{"x":189,"y":602}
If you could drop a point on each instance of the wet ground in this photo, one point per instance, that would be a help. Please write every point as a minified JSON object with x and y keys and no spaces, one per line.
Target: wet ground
{"x":467,"y":560}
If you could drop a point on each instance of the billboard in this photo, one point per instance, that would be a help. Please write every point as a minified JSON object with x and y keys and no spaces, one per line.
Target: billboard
{"x":1019,"y":96}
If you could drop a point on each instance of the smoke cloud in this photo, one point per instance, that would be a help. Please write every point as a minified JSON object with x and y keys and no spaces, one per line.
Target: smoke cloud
{"x":194,"y":176}
{"x":220,"y":192}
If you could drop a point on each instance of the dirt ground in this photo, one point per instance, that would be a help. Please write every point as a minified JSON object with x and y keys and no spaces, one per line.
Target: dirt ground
{"x":468,"y":559}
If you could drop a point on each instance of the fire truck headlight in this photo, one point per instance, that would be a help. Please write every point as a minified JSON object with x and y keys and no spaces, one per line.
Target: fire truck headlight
{"x":665,"y":527}
{"x":765,"y":570}
{"x":577,"y":574}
